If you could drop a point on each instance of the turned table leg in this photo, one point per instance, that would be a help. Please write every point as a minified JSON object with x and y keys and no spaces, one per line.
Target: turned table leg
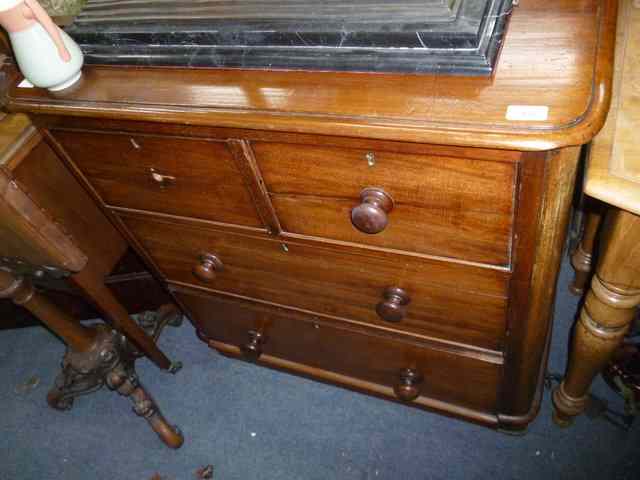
{"x":607,"y":313}
{"x":21,"y":291}
{"x":582,"y":257}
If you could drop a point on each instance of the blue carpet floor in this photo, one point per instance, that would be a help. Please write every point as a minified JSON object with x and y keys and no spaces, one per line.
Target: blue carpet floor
{"x":254,"y":423}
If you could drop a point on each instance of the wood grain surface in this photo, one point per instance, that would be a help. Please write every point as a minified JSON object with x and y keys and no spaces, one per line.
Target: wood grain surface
{"x":443,"y":206}
{"x":128,"y":171}
{"x":449,"y":301}
{"x":337,"y":348}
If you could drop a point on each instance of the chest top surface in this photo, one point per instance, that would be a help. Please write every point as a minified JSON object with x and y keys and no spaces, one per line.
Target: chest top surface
{"x":550,"y":89}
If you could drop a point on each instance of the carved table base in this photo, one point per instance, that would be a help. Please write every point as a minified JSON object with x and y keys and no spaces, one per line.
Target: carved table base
{"x":111,"y":362}
{"x":96,"y":356}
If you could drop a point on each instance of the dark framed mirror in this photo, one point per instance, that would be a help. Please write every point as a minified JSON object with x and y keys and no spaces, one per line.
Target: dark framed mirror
{"x":418,"y":36}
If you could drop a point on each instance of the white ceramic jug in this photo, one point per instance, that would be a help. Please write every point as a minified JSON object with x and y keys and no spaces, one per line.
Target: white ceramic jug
{"x":46,"y":56}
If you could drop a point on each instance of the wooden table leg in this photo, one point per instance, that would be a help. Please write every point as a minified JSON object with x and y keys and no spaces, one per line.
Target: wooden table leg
{"x":582,"y":257}
{"x":99,"y":294}
{"x":607,"y":313}
{"x":21,"y":291}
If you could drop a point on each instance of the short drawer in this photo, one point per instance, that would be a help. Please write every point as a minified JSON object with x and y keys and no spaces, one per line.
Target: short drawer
{"x":437,"y":205}
{"x":452,"y":302}
{"x":259,"y":332}
{"x":177,"y":176}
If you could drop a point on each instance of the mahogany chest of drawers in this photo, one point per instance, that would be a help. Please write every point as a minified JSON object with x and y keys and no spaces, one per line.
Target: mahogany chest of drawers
{"x":395,"y":234}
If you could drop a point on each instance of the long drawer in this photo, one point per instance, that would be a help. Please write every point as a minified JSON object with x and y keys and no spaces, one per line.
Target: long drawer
{"x":307,"y":343}
{"x":431,"y":204}
{"x":171,"y":175}
{"x":452,"y":302}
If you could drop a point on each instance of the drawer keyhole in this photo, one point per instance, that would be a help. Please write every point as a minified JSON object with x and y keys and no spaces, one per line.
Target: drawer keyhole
{"x":163,"y":181}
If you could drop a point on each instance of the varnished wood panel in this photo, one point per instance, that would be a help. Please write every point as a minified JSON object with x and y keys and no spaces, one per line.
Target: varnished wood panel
{"x":443,"y":206}
{"x":448,"y":301}
{"x":546,"y":204}
{"x":28,"y":233}
{"x":337,"y":348}
{"x":125,"y":169}
{"x":555,"y":55}
{"x":17,"y":139}
{"x":52,"y":186}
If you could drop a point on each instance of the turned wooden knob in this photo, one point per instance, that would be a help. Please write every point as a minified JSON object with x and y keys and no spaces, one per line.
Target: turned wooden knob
{"x":207,"y":266}
{"x":371,"y":215}
{"x":253,"y":348}
{"x":394,"y":307}
{"x":409,"y":385}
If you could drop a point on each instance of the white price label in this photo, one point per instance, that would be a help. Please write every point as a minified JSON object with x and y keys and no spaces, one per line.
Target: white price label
{"x":530,"y":113}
